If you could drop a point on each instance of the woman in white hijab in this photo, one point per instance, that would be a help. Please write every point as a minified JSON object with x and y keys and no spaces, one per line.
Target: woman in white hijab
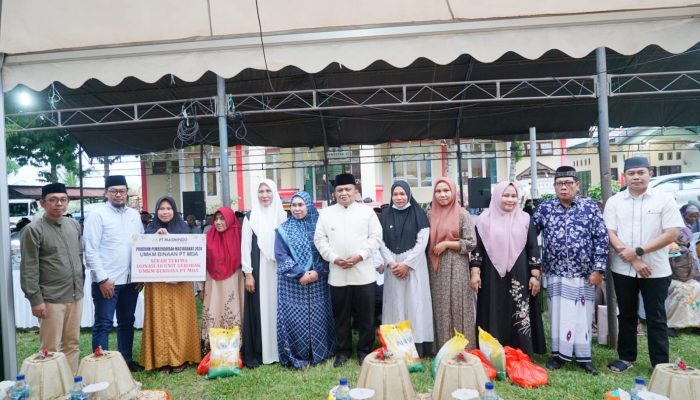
{"x":260,"y":269}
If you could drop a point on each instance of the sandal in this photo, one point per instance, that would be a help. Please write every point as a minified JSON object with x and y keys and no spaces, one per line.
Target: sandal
{"x":177,"y":370}
{"x":166,"y":369}
{"x":619,"y":366}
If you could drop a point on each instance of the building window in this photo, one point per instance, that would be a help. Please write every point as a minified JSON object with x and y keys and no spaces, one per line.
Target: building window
{"x":196,"y":163}
{"x":415,"y":173}
{"x":669,"y":169}
{"x":543,"y":149}
{"x":480,"y":162}
{"x":614,"y":174}
{"x":161,"y":167}
{"x":669,"y":156}
{"x":614,"y":158}
{"x":678,"y":155}
{"x":661,"y":156}
{"x":272,"y":166}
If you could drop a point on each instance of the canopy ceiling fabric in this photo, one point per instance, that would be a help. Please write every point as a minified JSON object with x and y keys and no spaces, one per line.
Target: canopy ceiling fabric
{"x":108,"y":53}
{"x":109,"y":41}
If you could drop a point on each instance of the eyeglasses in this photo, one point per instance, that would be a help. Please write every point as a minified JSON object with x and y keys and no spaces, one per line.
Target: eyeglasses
{"x":54,"y":200}
{"x":115,"y":192}
{"x":568,"y":184}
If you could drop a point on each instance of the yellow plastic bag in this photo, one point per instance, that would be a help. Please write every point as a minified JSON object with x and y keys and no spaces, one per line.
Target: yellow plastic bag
{"x":449,"y":349}
{"x":398,"y":339}
{"x":493,"y":351}
{"x":225,"y":357}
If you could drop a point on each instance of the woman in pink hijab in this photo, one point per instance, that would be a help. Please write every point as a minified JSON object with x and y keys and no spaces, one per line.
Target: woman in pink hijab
{"x":506,"y":275}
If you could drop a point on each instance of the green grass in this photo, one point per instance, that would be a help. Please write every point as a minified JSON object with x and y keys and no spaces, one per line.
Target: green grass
{"x":276,"y":382}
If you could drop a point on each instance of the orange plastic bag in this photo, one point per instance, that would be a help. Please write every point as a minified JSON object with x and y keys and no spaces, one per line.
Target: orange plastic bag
{"x":522,"y":371}
{"x":488,"y":368}
{"x":203,"y":367}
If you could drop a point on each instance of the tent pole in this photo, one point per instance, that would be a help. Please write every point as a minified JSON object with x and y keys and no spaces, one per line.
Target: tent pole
{"x":7,"y":309}
{"x":325,"y":162}
{"x":605,"y":181}
{"x":459,"y":168}
{"x":223,"y":140}
{"x":82,"y":199}
{"x":201,"y":167}
{"x":534,"y":193}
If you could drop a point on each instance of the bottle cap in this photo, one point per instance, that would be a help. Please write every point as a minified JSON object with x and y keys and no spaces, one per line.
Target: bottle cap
{"x":20,"y":377}
{"x":343,"y":381}
{"x":78,"y":378}
{"x":639,"y":380}
{"x":489,"y":385}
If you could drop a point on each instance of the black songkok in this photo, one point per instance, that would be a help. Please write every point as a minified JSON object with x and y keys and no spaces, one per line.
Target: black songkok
{"x":565,"y":172}
{"x":636,"y":162}
{"x":115,"y":180}
{"x":344,"y":179}
{"x":53,"y":188}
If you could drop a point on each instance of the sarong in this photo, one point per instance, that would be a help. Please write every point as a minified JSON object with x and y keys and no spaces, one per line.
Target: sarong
{"x":571,"y":304}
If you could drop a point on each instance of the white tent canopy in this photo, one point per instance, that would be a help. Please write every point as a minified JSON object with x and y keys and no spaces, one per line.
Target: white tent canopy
{"x":109,"y":40}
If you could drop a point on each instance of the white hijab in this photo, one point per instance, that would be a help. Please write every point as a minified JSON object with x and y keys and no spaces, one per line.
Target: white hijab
{"x":264,"y":220}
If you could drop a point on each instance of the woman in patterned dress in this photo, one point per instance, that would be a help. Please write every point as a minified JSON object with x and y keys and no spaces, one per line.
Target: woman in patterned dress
{"x":506,"y":275}
{"x":451,"y":240}
{"x":305,"y":327}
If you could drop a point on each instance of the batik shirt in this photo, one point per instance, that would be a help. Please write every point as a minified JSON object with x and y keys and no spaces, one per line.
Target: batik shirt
{"x":575,"y":240}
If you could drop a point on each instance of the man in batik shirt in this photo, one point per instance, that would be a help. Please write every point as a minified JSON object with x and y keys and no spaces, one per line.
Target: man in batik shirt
{"x":575,"y":254}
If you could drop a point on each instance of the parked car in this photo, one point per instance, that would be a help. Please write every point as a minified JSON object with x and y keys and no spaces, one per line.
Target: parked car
{"x":22,"y":208}
{"x":684,"y":186}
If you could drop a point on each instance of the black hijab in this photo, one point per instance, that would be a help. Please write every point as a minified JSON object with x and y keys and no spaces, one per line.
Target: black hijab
{"x":176,"y":225}
{"x":400,"y":227}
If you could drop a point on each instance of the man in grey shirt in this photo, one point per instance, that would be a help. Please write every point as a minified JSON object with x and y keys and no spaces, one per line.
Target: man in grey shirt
{"x":52,"y":274}
{"x":108,"y":239}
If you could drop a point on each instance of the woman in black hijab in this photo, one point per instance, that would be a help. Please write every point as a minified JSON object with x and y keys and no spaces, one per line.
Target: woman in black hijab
{"x":170,"y":329}
{"x":406,"y":230}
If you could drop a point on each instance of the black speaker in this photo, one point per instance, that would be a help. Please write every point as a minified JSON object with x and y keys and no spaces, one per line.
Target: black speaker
{"x":479,"y":192}
{"x":193,"y":203}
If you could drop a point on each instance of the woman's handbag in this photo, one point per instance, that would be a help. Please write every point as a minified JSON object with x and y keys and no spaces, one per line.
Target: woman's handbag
{"x":683,"y":267}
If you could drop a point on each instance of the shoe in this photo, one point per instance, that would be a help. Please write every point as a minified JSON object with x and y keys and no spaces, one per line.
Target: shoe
{"x":589,"y":368}
{"x":361,"y":357}
{"x":672,"y":332}
{"x":134,"y":366}
{"x":553,"y":364}
{"x":340,"y":360}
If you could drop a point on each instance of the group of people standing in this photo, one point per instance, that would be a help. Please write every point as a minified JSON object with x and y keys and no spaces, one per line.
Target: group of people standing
{"x":297,"y":285}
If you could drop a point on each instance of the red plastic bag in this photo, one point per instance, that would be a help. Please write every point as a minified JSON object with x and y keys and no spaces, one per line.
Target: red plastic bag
{"x":488,"y":368}
{"x":522,"y":371}
{"x":203,"y":367}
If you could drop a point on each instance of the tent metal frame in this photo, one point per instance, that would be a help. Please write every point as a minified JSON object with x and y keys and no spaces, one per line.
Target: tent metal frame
{"x":384,"y":96}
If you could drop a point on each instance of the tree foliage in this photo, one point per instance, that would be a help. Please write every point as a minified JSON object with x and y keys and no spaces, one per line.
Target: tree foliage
{"x":40,"y":149}
{"x":596,"y":192}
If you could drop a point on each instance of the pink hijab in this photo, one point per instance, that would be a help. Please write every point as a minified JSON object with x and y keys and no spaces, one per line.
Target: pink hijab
{"x":503,"y":233}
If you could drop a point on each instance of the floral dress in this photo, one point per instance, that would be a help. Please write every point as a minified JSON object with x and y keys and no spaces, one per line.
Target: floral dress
{"x":505,"y":307}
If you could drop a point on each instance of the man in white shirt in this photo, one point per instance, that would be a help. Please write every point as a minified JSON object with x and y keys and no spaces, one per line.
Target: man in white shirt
{"x":108,"y":238}
{"x":641,"y":223}
{"x":347,"y":235}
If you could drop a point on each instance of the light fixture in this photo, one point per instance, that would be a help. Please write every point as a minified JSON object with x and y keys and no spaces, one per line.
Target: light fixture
{"x":25,"y":99}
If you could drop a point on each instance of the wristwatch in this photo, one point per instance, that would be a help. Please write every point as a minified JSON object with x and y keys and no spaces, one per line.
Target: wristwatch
{"x":639,"y":251}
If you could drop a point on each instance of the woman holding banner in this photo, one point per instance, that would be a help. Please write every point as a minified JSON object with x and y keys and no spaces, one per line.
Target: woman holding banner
{"x":222,"y":292}
{"x":170,"y":337}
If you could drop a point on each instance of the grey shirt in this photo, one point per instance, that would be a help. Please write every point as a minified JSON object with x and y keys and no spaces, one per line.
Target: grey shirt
{"x":51,"y":269}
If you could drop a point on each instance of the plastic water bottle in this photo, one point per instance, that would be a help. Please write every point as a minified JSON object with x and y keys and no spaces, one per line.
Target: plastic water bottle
{"x":20,"y":391}
{"x":77,"y":393}
{"x":342,"y":392}
{"x":638,"y":387}
{"x":489,"y":392}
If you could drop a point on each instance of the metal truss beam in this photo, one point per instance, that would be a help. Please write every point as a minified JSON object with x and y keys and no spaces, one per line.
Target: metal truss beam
{"x":368,"y":97}
{"x":654,"y":83}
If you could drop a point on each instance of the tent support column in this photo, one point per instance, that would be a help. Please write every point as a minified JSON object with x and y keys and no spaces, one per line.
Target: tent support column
{"x":605,"y":181}
{"x":325,"y":162}
{"x":221,"y":108}
{"x":534,"y":193}
{"x":7,"y":309}
{"x":81,"y":175}
{"x":459,"y":168}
